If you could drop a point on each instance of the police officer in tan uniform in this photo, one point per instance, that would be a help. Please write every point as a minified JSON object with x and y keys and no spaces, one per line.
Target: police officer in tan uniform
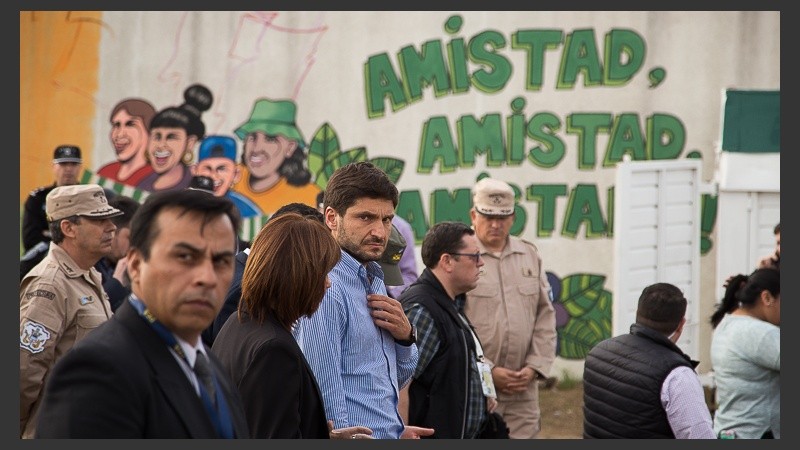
{"x":511,"y":309}
{"x":62,"y":298}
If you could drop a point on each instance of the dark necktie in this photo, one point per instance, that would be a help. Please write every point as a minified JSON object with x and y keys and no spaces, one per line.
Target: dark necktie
{"x":219,"y":413}
{"x":203,"y":371}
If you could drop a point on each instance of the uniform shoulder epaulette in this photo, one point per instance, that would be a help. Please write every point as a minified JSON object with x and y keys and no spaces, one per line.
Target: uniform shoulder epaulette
{"x":38,"y":190}
{"x":525,"y":241}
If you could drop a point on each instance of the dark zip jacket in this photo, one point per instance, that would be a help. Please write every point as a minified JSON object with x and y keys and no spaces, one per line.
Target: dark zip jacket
{"x":622,"y":382}
{"x":438,"y":398}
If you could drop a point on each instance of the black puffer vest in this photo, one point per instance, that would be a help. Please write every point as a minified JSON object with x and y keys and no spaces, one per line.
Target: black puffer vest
{"x":622,"y":382}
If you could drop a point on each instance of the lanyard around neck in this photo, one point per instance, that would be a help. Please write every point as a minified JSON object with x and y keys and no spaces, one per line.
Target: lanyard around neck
{"x":159,"y":328}
{"x":478,"y":348}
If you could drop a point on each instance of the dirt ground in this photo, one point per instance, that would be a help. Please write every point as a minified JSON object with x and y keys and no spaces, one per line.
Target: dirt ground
{"x":562,"y":410}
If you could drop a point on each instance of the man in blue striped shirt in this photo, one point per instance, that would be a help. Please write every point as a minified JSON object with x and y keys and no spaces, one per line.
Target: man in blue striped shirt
{"x":359,"y":343}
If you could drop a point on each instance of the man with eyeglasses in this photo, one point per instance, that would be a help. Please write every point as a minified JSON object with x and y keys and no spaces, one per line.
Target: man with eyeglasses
{"x":446,"y":392}
{"x":511,"y":309}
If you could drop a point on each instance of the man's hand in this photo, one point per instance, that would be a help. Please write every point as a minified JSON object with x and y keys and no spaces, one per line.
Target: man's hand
{"x":411,"y":432}
{"x":387,"y":313}
{"x":349,"y":432}
{"x":510,"y":381}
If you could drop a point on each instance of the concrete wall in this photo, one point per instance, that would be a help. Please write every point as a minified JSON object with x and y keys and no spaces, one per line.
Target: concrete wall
{"x":549,"y":101}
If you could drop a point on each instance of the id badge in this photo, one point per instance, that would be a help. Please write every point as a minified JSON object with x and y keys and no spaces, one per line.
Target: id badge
{"x":487,"y":383}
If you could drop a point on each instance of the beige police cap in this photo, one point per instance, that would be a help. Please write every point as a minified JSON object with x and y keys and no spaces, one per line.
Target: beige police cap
{"x":493,"y":197}
{"x":87,"y":200}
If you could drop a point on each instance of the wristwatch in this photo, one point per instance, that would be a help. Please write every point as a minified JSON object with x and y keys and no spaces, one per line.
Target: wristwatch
{"x":411,"y":340}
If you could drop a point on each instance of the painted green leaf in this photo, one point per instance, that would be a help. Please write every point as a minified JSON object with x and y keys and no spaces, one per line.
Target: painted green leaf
{"x":578,"y":337}
{"x":579,"y":292}
{"x":392,"y":166}
{"x":589,"y":307}
{"x":352,"y":155}
{"x":339,"y":160}
{"x":324,"y":148}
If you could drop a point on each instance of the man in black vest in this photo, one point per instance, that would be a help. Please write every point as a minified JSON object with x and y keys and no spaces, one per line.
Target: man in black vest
{"x":641,"y":385}
{"x":452,"y":389}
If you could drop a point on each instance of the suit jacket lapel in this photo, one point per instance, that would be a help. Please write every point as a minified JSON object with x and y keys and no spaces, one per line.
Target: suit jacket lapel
{"x":168,"y":375}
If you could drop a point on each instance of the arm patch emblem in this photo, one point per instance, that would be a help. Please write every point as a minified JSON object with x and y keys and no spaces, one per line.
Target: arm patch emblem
{"x":33,"y":337}
{"x":40,"y":293}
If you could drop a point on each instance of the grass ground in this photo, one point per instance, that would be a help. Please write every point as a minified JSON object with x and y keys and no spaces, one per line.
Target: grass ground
{"x":561,"y":404}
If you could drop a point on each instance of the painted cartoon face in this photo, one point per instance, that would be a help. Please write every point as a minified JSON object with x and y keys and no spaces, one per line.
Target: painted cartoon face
{"x":128,"y":135}
{"x":166,"y":147}
{"x":223,"y":171}
{"x":264,"y":154}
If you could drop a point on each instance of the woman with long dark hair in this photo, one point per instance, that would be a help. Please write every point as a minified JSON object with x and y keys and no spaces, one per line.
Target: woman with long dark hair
{"x":285,"y":278}
{"x":746,"y":357}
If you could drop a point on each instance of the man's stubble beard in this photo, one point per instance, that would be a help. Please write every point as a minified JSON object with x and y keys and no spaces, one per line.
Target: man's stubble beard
{"x":352,"y":248}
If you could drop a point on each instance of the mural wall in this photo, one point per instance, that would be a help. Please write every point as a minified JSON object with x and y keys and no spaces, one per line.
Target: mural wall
{"x":269,"y":104}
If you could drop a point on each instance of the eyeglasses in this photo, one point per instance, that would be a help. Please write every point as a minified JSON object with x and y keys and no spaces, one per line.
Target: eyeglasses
{"x":476,"y":256}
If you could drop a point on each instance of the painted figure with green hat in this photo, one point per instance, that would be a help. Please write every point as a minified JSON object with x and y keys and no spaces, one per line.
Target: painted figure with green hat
{"x":275,"y":163}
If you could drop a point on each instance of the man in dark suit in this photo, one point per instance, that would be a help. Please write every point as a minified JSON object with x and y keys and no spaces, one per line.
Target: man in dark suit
{"x":145,"y":372}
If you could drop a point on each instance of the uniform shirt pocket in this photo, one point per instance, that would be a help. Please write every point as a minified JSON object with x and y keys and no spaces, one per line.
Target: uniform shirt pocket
{"x":529,"y":293}
{"x":86,"y":321}
{"x":485,"y":303}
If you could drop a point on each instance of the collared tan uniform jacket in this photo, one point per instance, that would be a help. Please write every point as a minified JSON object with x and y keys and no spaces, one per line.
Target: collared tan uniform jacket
{"x":59,"y":303}
{"x":512,"y":313}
